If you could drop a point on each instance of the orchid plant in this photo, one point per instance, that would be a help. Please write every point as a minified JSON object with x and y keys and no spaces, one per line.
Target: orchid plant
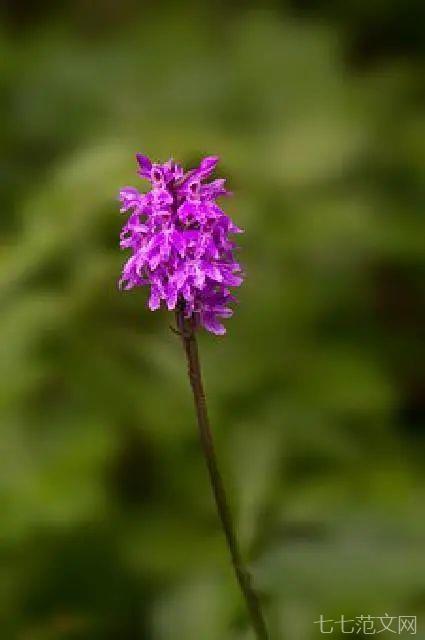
{"x":182,"y":248}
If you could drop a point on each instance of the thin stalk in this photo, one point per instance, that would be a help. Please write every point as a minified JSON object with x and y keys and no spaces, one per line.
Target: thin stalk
{"x":187,"y":332}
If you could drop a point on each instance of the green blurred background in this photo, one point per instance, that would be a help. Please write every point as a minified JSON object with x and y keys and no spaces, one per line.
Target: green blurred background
{"x":107,"y":526}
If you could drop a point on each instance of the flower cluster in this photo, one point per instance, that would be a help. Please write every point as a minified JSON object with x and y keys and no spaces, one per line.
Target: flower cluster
{"x":179,"y":241}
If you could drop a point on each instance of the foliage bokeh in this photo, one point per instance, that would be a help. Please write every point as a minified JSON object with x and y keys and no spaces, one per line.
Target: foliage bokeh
{"x":316,"y":394}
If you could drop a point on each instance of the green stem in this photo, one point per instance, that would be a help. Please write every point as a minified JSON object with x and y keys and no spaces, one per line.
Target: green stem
{"x":187,"y":332}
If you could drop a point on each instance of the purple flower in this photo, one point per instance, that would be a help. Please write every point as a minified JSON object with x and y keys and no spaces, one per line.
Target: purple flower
{"x":179,"y":241}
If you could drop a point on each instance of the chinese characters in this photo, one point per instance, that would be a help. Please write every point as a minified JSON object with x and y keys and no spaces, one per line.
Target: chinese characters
{"x":368,"y":625}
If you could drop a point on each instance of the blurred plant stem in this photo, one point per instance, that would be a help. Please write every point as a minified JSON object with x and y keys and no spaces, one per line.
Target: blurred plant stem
{"x":186,"y":330}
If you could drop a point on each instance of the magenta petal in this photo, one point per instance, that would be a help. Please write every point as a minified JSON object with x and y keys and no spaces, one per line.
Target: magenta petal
{"x":145,"y":166}
{"x":211,"y":324}
{"x":171,"y":297}
{"x":207,"y":166}
{"x":154,"y":300}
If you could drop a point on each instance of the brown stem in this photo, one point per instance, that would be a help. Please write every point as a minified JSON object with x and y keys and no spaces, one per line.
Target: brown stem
{"x":187,"y":332}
